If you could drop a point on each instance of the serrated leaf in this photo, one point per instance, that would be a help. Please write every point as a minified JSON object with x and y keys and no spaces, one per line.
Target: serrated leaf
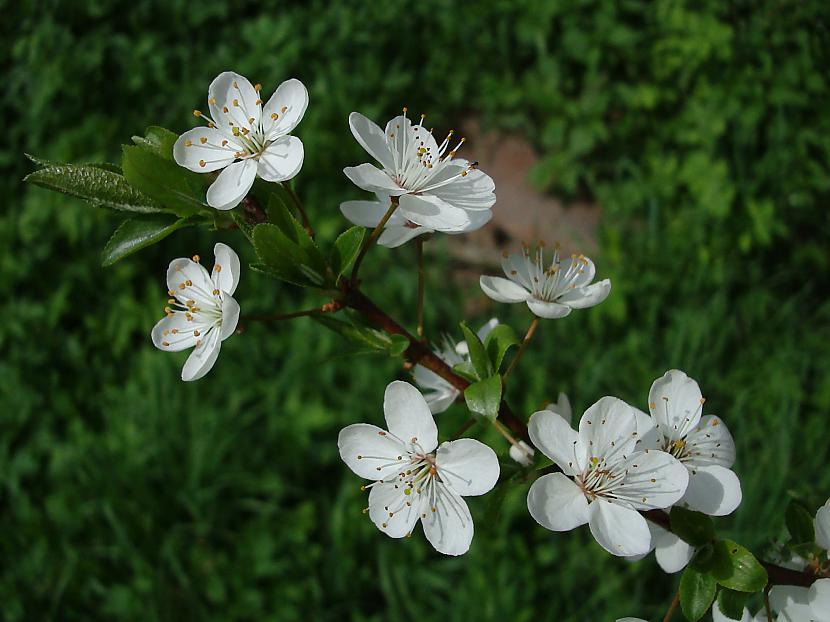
{"x":284,"y":258}
{"x":394,"y":345}
{"x":346,"y":247}
{"x":478,"y":355}
{"x":695,"y":528}
{"x":136,"y":233}
{"x":697,"y":592}
{"x":244,"y":226}
{"x":484,"y":397}
{"x":799,"y":523}
{"x":157,"y":140}
{"x":733,"y":566}
{"x":96,"y":184}
{"x":498,"y":342}
{"x":176,"y":188}
{"x":732,"y":603}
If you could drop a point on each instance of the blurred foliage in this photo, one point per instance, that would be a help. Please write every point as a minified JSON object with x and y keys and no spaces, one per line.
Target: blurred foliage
{"x":701,"y":128}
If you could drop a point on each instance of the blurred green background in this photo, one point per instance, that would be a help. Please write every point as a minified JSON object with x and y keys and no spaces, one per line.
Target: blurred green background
{"x":700,"y":128}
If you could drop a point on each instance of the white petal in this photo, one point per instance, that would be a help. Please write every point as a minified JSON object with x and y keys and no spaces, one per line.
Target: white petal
{"x":230,"y":317}
{"x":547,"y":310}
{"x":371,"y":178}
{"x":396,"y":235}
{"x":819,"y":599}
{"x":408,"y":416}
{"x":369,"y":213}
{"x":430,"y":211}
{"x":468,"y":466}
{"x":180,"y":272}
{"x":201,"y":360}
{"x":791,"y":603}
{"x":474,"y":191}
{"x":710,"y":443}
{"x":393,"y":512}
{"x":619,"y":530}
{"x":232,"y":185}
{"x":281,"y":160}
{"x":502,"y":290}
{"x":673,"y":554}
{"x":555,"y":438}
{"x":587,"y":296}
{"x":449,"y":528}
{"x":608,"y":427}
{"x":713,"y":490}
{"x":561,"y":407}
{"x":823,"y":526}
{"x":648,"y":436}
{"x":372,"y":139}
{"x":370,"y":452}
{"x":233,"y":91}
{"x":557,"y":503}
{"x":522,"y":453}
{"x":293,"y":97}
{"x":654,"y":479}
{"x":717,"y":616}
{"x":163,"y":333}
{"x":216,"y":152}
{"x":675,"y":403}
{"x":226,"y":276}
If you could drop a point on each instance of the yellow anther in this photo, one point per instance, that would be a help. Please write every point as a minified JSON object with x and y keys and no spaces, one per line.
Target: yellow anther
{"x":170,"y":292}
{"x":196,"y":333}
{"x":257,"y":87}
{"x":196,"y":258}
{"x":211,"y":125}
{"x":188,"y":143}
{"x":224,"y":109}
{"x":175,"y":331}
{"x":235,"y":102}
{"x":181,"y":286}
{"x":405,"y":109}
{"x":245,"y":131}
{"x":217,"y":268}
{"x":165,"y":343}
{"x":197,"y":113}
{"x":189,"y":283}
{"x":250,"y":120}
{"x":171,"y":301}
{"x":274,"y":116}
{"x":224,"y":143}
{"x":212,"y":101}
{"x":215,"y":292}
{"x":235,"y":85}
{"x":203,"y":139}
{"x":258,"y":102}
{"x":235,"y":131}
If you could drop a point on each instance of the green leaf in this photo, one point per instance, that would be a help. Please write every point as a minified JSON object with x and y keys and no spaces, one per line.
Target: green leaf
{"x":244,"y":226}
{"x":346,"y":247}
{"x":697,"y":592}
{"x":97,"y":184}
{"x":484,"y":397}
{"x":280,"y":215}
{"x":799,"y":523}
{"x":284,"y":258}
{"x":478,"y":355}
{"x":178,"y":189}
{"x":394,"y":345}
{"x":733,"y":566}
{"x":498,"y":342}
{"x":466,"y":371}
{"x":732,"y":603}
{"x":157,"y":140}
{"x":695,"y":528}
{"x":136,"y":233}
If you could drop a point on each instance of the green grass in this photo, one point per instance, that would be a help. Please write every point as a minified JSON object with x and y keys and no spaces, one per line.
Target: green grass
{"x":125,"y":494}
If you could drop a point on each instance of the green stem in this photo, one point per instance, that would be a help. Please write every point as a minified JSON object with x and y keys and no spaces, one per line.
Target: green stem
{"x":522,"y":348}
{"x":419,"y":250}
{"x":373,"y":238}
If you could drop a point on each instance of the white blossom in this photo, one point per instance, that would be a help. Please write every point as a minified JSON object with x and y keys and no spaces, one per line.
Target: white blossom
{"x":243,"y":138}
{"x":435,"y":190}
{"x":202,"y":312}
{"x":606,"y":478}
{"x":550,"y":291}
{"x":412,"y":479}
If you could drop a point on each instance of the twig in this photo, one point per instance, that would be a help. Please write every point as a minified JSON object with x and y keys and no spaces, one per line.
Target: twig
{"x":373,"y":237}
{"x":329,"y":307}
{"x":672,"y":607}
{"x":767,"y":607}
{"x":522,"y":348}
{"x":419,"y":251}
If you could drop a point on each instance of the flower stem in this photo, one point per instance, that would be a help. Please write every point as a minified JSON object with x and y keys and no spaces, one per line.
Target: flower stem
{"x":767,"y":607}
{"x":522,"y":349}
{"x":419,"y":251}
{"x":502,"y":429}
{"x":300,"y":209}
{"x":329,"y":307}
{"x":373,"y":238}
{"x":672,"y":607}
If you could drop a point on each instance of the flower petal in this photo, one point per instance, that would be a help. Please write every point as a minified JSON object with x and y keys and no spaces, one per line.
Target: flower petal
{"x":448,"y":524}
{"x":371,"y":178}
{"x":369,"y":135}
{"x":473,"y":191}
{"x":555,"y":438}
{"x":672,"y":553}
{"x":587,"y":296}
{"x":619,"y":530}
{"x":233,"y":92}
{"x":370,"y":452}
{"x":204,"y":145}
{"x":392,"y":511}
{"x":408,"y":416}
{"x":396,"y":235}
{"x":230,"y":317}
{"x":823,"y":526}
{"x":226,"y":268}
{"x":675,"y":402}
{"x":288,"y":103}
{"x":547,"y":310}
{"x":189,"y":280}
{"x":282,"y":159}
{"x":710,"y":443}
{"x":163,"y":333}
{"x":430,"y":211}
{"x":204,"y":355}
{"x":713,"y":490}
{"x":522,"y":453}
{"x":369,"y":213}
{"x":819,"y":599}
{"x":232,"y":185}
{"x":502,"y":290}
{"x":468,"y":466}
{"x":654,"y":479}
{"x":557,"y":503}
{"x":609,"y":426}
{"x":790,"y":602}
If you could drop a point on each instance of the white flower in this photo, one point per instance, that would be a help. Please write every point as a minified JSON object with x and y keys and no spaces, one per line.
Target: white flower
{"x":524,"y":453}
{"x":672,"y":553}
{"x":435,"y":189}
{"x":203,"y":312}
{"x":561,"y":407}
{"x":605,"y":477}
{"x":414,"y":481}
{"x":702,"y":444}
{"x":439,"y":393}
{"x":398,"y":229}
{"x":549,"y":292}
{"x":799,"y":604}
{"x":822,"y":526}
{"x":244,"y":138}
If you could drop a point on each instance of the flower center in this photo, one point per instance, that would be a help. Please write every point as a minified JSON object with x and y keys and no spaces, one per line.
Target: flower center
{"x":202,"y":309}
{"x":549,"y":283}
{"x":601,"y":478}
